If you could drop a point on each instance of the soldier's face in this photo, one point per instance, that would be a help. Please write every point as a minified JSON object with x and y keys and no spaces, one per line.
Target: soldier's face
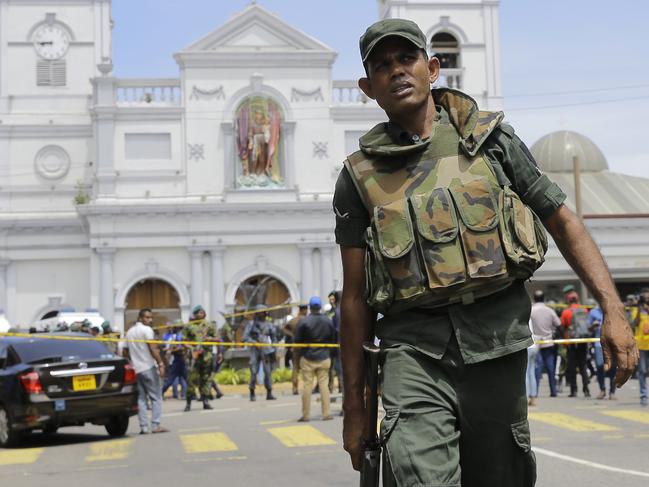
{"x":399,"y":76}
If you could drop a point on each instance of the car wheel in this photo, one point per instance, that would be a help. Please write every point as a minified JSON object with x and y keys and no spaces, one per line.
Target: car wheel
{"x":117,"y":425}
{"x":8,"y":437}
{"x":50,"y":429}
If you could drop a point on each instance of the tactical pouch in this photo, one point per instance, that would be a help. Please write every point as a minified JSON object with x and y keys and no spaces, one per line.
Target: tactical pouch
{"x":379,"y":291}
{"x":479,"y":218}
{"x":523,"y":235}
{"x":396,"y":248}
{"x":439,"y":245}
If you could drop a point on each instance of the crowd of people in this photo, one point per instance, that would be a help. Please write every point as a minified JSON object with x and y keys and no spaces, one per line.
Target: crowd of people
{"x":565,"y":362}
{"x":192,"y":368}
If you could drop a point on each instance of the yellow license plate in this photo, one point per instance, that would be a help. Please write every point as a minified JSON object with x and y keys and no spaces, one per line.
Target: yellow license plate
{"x":84,"y":383}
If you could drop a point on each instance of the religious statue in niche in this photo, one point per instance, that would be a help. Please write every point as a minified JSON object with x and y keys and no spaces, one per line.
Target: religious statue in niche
{"x":258,"y":136}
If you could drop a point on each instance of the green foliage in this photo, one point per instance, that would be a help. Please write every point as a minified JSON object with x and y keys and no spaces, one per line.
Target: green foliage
{"x":244,"y":375}
{"x":228,"y":376}
{"x":282,"y":375}
{"x":81,"y":197}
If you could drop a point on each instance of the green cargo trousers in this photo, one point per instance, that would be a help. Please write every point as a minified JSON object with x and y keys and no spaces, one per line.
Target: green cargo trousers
{"x":449,"y":424}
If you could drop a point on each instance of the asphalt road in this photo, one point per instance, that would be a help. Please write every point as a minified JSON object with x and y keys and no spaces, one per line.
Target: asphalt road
{"x":578,"y":442}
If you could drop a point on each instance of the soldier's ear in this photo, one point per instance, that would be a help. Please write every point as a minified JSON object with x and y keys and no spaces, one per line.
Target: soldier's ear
{"x":366,"y":87}
{"x":433,"y":69}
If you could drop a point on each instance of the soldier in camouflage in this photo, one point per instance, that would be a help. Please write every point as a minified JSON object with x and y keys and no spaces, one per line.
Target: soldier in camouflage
{"x":199,"y":357}
{"x":441,"y":216}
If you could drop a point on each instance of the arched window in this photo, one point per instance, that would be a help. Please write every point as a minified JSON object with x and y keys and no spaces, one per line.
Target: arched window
{"x":445,"y":47}
{"x":261,"y":289}
{"x":156,"y":294}
{"x":258,"y":138}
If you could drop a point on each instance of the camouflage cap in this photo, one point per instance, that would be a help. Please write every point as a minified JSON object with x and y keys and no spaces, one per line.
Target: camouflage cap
{"x":390,"y":27}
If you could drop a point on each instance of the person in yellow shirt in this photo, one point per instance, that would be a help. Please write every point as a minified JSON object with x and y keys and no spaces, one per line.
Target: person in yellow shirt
{"x":640,"y":322}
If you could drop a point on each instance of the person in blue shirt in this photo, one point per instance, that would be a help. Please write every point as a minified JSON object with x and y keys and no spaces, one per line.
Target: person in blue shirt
{"x":595,"y":320}
{"x":177,"y":373}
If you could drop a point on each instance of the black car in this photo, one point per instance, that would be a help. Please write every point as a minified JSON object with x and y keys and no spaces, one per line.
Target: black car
{"x":49,"y":383}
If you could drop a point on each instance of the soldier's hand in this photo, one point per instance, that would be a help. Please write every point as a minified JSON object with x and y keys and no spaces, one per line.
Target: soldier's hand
{"x":618,"y":343}
{"x":161,"y":370}
{"x":354,"y":428}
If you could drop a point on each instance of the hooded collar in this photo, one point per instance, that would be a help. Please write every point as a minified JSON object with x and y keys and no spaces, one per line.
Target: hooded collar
{"x":472,"y":125}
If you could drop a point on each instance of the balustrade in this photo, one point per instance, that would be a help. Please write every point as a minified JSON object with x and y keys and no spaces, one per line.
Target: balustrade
{"x":450,"y":78}
{"x":347,"y":92}
{"x":148,"y":92}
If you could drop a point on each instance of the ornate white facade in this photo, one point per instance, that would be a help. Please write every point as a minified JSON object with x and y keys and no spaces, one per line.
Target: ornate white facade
{"x":105,"y":182}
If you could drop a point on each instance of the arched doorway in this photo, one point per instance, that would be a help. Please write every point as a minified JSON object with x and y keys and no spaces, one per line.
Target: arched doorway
{"x":446,"y":48}
{"x":260,"y":289}
{"x":156,"y":294}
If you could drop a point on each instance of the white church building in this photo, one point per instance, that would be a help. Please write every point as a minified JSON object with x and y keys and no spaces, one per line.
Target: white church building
{"x":214,"y":187}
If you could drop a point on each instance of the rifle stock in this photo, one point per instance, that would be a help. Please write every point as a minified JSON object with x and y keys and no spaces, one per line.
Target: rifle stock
{"x":370,"y":470}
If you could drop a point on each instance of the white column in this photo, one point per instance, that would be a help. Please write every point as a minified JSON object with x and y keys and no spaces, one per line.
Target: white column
{"x":217,"y":288}
{"x":306,"y":266}
{"x":106,"y":299}
{"x":3,"y":285}
{"x":4,"y":58}
{"x":326,"y":270}
{"x":197,"y":276}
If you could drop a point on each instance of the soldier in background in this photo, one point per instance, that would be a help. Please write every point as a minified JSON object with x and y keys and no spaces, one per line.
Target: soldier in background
{"x":336,"y":365}
{"x":200,"y":357}
{"x":260,"y":331}
{"x":289,"y":331}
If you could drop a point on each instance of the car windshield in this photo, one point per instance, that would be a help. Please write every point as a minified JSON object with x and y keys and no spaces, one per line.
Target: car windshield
{"x":48,"y":350}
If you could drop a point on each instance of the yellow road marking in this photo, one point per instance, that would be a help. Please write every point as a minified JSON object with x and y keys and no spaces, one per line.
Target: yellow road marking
{"x":18,"y":457}
{"x":641,"y":435}
{"x":294,"y":436}
{"x":541,"y":439}
{"x":571,"y":423}
{"x":109,"y":450}
{"x":637,"y":416}
{"x":207,"y":443}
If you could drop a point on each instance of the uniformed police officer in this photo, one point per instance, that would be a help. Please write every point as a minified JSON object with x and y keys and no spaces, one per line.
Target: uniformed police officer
{"x":260,"y":331}
{"x":200,"y":357}
{"x":439,"y":212}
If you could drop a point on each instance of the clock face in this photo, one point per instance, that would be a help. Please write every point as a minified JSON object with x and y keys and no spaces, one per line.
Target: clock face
{"x":51,"y":42}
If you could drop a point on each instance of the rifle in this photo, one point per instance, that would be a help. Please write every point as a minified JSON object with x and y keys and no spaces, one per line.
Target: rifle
{"x":371,"y":444}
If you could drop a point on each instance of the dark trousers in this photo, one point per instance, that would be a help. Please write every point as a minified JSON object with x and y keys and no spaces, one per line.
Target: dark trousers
{"x":260,"y":360}
{"x":548,"y":358}
{"x":177,"y":371}
{"x":450,"y":424}
{"x":577,"y":355}
{"x":601,"y":378}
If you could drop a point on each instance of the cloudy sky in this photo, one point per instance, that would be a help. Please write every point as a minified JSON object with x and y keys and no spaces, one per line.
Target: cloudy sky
{"x":567,"y":65}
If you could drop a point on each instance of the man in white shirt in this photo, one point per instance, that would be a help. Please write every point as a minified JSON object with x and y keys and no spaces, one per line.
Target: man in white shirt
{"x":144,"y":357}
{"x":544,"y":323}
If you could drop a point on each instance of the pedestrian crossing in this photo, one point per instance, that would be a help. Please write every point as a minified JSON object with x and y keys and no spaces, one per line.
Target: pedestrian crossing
{"x":193,"y":443}
{"x":576,"y":424}
{"x":109,"y":450}
{"x":207,"y":444}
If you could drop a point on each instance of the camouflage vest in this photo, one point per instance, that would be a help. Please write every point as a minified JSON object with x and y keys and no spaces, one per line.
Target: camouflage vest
{"x":443,"y":229}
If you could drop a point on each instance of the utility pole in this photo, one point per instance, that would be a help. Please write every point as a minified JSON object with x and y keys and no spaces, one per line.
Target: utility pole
{"x":583,"y":291}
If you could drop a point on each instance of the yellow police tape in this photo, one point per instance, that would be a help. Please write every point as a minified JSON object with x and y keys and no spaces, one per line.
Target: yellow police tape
{"x":562,"y":341}
{"x":232,"y":315}
{"x":169,"y":342}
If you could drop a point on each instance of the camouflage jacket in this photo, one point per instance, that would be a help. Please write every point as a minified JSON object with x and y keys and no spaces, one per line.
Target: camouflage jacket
{"x":200,"y":331}
{"x":445,"y":228}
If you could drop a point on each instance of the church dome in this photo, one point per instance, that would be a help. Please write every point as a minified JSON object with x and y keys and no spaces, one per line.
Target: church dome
{"x":554,"y":153}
